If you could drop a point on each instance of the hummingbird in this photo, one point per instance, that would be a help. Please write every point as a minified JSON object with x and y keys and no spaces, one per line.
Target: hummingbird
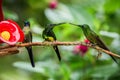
{"x":28,"y":39}
{"x":94,"y":38}
{"x":49,"y":35}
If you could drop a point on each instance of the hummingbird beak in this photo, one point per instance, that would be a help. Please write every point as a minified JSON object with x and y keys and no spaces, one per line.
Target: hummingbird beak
{"x":76,"y":25}
{"x":55,"y":24}
{"x":73,"y":24}
{"x":80,"y":26}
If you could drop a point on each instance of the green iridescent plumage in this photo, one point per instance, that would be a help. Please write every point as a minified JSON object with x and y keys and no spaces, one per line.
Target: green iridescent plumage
{"x":28,"y":38}
{"x":94,"y":38}
{"x":49,"y":35}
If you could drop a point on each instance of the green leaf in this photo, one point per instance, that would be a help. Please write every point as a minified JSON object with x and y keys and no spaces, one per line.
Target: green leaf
{"x":27,"y":66}
{"x":104,"y":71}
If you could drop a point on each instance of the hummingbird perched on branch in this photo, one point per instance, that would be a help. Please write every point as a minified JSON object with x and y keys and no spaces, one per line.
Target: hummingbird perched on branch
{"x":28,"y":39}
{"x":49,"y":35}
{"x":94,"y":38}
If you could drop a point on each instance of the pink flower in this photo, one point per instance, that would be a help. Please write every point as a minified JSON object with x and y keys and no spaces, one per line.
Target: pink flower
{"x":53,"y":4}
{"x":86,"y":41}
{"x":81,"y":49}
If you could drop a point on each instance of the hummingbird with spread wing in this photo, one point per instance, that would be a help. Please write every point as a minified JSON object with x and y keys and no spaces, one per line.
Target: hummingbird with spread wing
{"x":49,"y":35}
{"x":94,"y":38}
{"x":28,"y":39}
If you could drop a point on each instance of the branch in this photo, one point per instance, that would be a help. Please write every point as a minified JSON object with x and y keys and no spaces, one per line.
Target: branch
{"x":6,"y":50}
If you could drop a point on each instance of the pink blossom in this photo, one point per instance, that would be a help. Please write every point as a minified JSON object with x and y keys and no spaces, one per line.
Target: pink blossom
{"x":81,"y":49}
{"x":53,"y":4}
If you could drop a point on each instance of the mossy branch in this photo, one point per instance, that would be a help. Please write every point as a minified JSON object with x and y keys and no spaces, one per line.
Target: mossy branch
{"x":7,"y":50}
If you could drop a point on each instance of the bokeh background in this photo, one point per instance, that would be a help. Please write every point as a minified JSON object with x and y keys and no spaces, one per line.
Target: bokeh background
{"x":78,"y":62}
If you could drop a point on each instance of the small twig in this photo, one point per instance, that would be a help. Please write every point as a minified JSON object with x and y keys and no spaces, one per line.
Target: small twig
{"x":5,"y":50}
{"x":105,"y":51}
{"x":5,"y":53}
{"x":6,"y":46}
{"x":8,"y":51}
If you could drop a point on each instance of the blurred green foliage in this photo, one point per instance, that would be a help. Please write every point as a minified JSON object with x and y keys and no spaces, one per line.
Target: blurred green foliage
{"x":101,"y":15}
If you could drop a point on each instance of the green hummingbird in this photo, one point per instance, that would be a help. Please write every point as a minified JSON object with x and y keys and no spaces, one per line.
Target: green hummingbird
{"x":28,"y":38}
{"x":94,"y":38}
{"x":49,"y":35}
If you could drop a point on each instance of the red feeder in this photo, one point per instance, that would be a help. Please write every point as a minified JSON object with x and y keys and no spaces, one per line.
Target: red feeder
{"x":10,"y":32}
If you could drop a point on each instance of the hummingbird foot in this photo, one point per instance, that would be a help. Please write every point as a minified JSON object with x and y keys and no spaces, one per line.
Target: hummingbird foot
{"x":93,"y":44}
{"x":99,"y":55}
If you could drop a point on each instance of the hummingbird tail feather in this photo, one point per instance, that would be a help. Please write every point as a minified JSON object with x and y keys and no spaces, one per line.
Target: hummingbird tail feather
{"x":29,"y":49}
{"x":57,"y":52}
{"x":114,"y":59}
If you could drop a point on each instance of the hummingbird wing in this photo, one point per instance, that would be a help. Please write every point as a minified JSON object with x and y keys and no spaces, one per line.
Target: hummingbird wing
{"x":101,"y":44}
{"x":57,"y":52}
{"x":28,"y":38}
{"x":29,"y":48}
{"x":94,"y":38}
{"x":51,"y":33}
